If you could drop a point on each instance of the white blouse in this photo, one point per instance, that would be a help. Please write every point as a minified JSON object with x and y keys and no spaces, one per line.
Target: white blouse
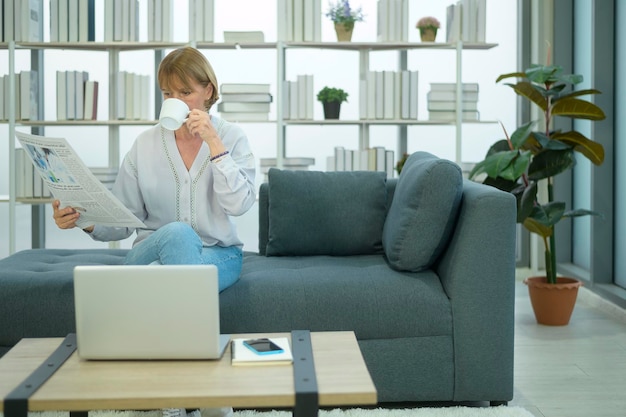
{"x":154,"y":184}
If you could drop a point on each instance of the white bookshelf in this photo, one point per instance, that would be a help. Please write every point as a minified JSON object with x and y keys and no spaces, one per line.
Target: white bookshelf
{"x":113,"y":50}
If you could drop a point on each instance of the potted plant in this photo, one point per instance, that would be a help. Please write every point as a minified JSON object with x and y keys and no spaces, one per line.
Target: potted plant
{"x":331,"y":99}
{"x":344,"y":18}
{"x":517,"y":163}
{"x":428,"y":28}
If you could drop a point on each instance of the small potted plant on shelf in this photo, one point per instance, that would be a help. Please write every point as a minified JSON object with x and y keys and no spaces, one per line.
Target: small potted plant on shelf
{"x":344,"y":18}
{"x":517,"y":163}
{"x":428,"y":28}
{"x":331,"y":99}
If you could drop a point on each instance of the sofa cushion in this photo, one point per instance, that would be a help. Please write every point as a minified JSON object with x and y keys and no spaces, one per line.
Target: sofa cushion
{"x":423,"y":211}
{"x":326,"y":213}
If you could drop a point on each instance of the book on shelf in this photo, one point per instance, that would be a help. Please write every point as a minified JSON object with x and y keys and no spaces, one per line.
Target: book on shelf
{"x":465,"y":87}
{"x":299,"y":20}
{"x":473,"y":20}
{"x":229,"y":88}
{"x":243,"y":356}
{"x":243,"y":107}
{"x":231,"y":36}
{"x":389,"y":95}
{"x":28,"y":95}
{"x":466,"y":20}
{"x":451,"y":96}
{"x":370,"y":159}
{"x":90,"y":111}
{"x":391,"y":21}
{"x":467,"y":116}
{"x":28,"y":19}
{"x":245,"y":116}
{"x":247,"y":97}
{"x":451,"y":105}
{"x":86,"y":21}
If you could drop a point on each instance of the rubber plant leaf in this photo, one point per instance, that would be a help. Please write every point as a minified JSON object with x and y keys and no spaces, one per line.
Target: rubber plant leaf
{"x":528,"y":90}
{"x":580,"y":143}
{"x":550,"y":163}
{"x":577,"y":109}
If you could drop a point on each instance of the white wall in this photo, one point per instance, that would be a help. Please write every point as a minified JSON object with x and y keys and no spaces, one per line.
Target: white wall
{"x":334,"y":68}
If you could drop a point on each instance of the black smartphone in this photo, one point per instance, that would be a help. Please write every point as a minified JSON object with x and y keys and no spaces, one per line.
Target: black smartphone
{"x":263,"y":346}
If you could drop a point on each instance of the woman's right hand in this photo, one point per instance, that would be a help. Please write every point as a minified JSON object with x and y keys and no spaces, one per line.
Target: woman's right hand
{"x":66,"y":217}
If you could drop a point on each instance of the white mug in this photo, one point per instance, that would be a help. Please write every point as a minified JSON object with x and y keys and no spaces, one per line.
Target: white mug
{"x":173,"y":113}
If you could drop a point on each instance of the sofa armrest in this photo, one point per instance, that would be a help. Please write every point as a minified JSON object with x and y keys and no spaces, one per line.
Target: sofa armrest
{"x":477,"y":271}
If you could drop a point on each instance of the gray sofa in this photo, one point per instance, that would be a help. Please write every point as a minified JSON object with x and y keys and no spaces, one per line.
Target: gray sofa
{"x":421,"y":269}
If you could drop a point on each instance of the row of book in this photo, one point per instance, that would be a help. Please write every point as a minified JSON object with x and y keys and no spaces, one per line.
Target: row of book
{"x":133,"y":92}
{"x":72,"y":20}
{"x":442,"y":105}
{"x":298,"y":98}
{"x":389,"y":95}
{"x":77,"y":96}
{"x":299,"y":20}
{"x":21,"y":20}
{"x":392,"y":23}
{"x":376,"y":158}
{"x":25,"y":100}
{"x":201,"y":21}
{"x":244,"y":102}
{"x":466,"y":20}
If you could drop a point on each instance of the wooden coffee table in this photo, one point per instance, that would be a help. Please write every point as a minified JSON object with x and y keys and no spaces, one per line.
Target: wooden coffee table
{"x":337,"y":377}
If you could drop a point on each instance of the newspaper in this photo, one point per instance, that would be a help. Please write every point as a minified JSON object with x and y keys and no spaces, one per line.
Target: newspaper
{"x":70,"y":181}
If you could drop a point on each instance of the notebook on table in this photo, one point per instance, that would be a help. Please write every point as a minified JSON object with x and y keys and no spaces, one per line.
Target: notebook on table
{"x":148,"y":312}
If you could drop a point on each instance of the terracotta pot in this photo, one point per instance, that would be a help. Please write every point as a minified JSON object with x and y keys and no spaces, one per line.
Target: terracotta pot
{"x":553,"y":304}
{"x":428,"y":34}
{"x":344,"y":31}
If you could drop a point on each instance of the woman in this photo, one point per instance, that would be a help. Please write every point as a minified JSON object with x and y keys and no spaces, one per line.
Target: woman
{"x":184,"y":184}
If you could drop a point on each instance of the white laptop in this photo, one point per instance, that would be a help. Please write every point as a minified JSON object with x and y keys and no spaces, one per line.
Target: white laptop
{"x":148,"y":312}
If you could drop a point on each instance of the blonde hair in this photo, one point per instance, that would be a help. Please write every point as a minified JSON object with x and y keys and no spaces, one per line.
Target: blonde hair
{"x":186,"y":64}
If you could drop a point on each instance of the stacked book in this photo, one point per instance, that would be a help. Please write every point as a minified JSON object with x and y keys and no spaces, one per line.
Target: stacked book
{"x":370,"y":159}
{"x":291,"y":164}
{"x":201,"y":20}
{"x":77,"y":96}
{"x":298,"y":98}
{"x":245,"y":102}
{"x":389,"y":95}
{"x":466,"y":20}
{"x":299,"y":20}
{"x":442,"y":102}
{"x":25,"y":102}
{"x":392,"y":23}
{"x":21,"y":20}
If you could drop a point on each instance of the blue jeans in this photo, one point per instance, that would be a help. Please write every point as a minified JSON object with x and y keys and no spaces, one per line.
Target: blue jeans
{"x":178,"y":244}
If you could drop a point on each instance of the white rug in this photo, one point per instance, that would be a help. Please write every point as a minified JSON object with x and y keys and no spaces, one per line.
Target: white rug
{"x":353,"y":412}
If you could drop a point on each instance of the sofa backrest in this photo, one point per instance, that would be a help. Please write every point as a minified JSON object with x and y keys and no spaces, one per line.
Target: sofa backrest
{"x":390,"y":185}
{"x":304,"y":213}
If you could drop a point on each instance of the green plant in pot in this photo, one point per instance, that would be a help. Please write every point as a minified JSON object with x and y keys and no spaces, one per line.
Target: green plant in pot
{"x":331,"y":98}
{"x":518,"y":162}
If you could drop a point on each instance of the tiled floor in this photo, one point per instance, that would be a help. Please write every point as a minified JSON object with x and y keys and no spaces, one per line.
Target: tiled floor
{"x":575,"y":370}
